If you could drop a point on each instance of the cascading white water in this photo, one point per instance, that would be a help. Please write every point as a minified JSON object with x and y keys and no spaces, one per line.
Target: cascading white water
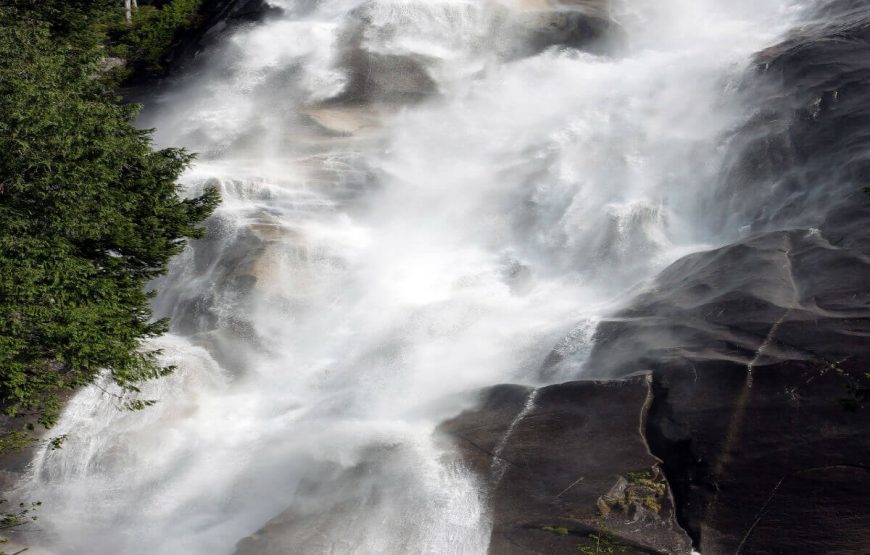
{"x":377,"y":260}
{"x":499,"y":464}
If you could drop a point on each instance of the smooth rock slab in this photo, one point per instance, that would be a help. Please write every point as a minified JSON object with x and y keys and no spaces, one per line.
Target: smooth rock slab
{"x":550,"y":457}
{"x":753,"y":346}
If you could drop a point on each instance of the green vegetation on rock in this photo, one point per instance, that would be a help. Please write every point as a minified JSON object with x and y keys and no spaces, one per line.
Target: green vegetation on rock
{"x":89,"y":214}
{"x":601,"y":542}
{"x":643,"y":489}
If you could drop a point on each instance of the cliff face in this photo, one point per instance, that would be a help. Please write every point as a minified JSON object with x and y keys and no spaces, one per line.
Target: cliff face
{"x":751,"y":349}
{"x":754,"y":346}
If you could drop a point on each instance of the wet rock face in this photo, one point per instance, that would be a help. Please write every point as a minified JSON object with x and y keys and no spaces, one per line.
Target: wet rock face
{"x":804,"y":150}
{"x":754,"y":346}
{"x":793,"y":295}
{"x":567,"y":463}
{"x":767,"y":469}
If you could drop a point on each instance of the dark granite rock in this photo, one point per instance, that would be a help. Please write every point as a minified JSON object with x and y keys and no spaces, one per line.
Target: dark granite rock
{"x":567,"y":462}
{"x":803,"y":150}
{"x":753,"y":346}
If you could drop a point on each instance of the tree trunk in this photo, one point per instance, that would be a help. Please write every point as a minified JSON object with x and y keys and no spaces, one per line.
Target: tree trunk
{"x":128,"y":11}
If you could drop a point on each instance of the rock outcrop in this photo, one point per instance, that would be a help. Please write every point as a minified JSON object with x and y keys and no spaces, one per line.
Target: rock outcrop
{"x":753,"y":347}
{"x":758,"y":348}
{"x":804,"y":149}
{"x":567,"y":466}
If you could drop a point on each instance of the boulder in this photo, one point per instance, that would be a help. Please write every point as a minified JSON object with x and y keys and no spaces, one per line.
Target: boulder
{"x":567,"y":466}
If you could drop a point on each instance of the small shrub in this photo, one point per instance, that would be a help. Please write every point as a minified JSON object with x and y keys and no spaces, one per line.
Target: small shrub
{"x":643,"y":489}
{"x":603,"y":543}
{"x":646,"y":479}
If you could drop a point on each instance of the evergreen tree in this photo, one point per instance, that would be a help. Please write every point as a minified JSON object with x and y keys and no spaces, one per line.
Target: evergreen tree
{"x":89,"y":214}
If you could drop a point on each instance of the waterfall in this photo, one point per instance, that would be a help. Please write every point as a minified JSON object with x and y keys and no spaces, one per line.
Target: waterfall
{"x":415,"y":206}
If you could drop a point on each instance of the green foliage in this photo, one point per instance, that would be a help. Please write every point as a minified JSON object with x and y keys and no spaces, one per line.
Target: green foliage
{"x":648,"y":489}
{"x":89,"y":213}
{"x":641,"y":489}
{"x":16,"y":440}
{"x":647,"y":479}
{"x":560,"y":530}
{"x":56,"y":442}
{"x":146,"y":42}
{"x":78,"y":24}
{"x":601,"y":542}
